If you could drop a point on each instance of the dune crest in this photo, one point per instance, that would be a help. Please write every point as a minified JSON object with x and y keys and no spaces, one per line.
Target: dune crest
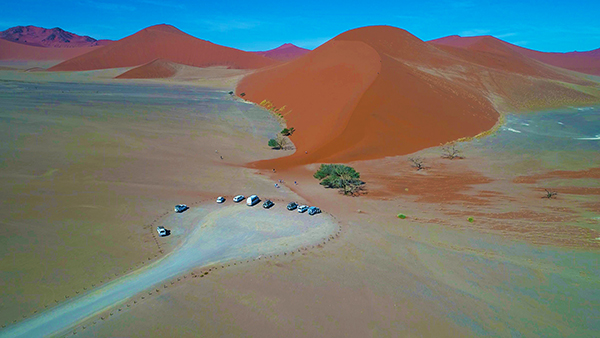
{"x":163,"y":42}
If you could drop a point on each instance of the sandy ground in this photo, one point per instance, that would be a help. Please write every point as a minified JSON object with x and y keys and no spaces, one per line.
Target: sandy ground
{"x":84,"y":172}
{"x":525,"y":266}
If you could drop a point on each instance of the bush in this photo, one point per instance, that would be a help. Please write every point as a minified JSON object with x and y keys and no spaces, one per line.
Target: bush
{"x":243,"y":94}
{"x":401,"y":216}
{"x":277,"y":143}
{"x":273,"y":143}
{"x":341,"y":177}
{"x":287,"y":132}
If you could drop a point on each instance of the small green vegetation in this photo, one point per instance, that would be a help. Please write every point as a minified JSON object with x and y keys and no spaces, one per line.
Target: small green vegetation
{"x":242,"y":94}
{"x":470,"y":219}
{"x":278,"y":143}
{"x":287,"y":132}
{"x":341,"y":177}
{"x":401,"y":216}
{"x":550,"y":194}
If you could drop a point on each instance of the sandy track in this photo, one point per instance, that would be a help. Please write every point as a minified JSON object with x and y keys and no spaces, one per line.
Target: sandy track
{"x":227,"y":232}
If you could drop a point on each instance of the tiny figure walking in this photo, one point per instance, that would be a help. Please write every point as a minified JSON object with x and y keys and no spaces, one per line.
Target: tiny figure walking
{"x":221,"y":157}
{"x":276,"y":185}
{"x":296,"y":183}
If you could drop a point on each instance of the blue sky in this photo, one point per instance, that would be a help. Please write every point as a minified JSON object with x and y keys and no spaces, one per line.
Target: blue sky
{"x":551,"y":25}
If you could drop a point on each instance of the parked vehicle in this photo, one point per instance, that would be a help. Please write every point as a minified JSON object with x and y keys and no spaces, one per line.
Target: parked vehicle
{"x":252,"y":200}
{"x":302,"y":208}
{"x":292,"y":205}
{"x":162,"y":232}
{"x":313,"y":211}
{"x":268,"y":204}
{"x":220,"y":199}
{"x":181,"y":208}
{"x":238,"y":198}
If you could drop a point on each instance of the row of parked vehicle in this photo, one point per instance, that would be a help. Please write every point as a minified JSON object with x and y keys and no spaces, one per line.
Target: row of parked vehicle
{"x":252,"y":200}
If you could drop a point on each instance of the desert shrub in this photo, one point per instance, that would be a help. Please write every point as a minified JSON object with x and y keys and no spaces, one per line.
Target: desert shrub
{"x":550,"y":194}
{"x":450,"y":151}
{"x":417,"y":162}
{"x":243,"y":94}
{"x":231,"y":93}
{"x":341,"y":177}
{"x":278,"y":143}
{"x":288,"y":132}
{"x":401,"y":216}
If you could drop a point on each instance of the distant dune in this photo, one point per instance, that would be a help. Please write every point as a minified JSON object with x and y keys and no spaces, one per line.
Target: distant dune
{"x":355,"y":97}
{"x":167,"y":43}
{"x":157,"y":69}
{"x":285,"y":52}
{"x":20,"y":52}
{"x":583,"y":62}
{"x":49,"y":37}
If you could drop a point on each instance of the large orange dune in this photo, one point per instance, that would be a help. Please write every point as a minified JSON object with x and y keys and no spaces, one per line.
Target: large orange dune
{"x":360,"y":96}
{"x":583,"y":62}
{"x":19,"y":52}
{"x":167,"y":43}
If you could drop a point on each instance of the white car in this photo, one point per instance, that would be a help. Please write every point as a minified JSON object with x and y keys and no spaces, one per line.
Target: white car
{"x":252,"y":200}
{"x":220,"y":199}
{"x":302,"y":208}
{"x":181,"y":208}
{"x":162,"y":232}
{"x":238,"y":198}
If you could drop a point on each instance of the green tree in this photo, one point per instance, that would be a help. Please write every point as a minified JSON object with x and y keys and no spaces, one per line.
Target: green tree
{"x":273,"y":143}
{"x":278,"y":143}
{"x":243,"y":94}
{"x":287,"y":132}
{"x":341,"y":177}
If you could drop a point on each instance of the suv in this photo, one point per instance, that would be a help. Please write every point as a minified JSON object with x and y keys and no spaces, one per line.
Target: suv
{"x":314,"y":210}
{"x":252,"y":200}
{"x":181,"y":208}
{"x":238,"y":198}
{"x":162,"y":232}
{"x":220,"y":199}
{"x":302,"y":208}
{"x":292,"y":206}
{"x":268,"y":204}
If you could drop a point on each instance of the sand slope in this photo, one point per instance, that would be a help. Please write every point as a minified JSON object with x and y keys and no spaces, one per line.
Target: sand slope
{"x":348,"y":105}
{"x":157,"y":69}
{"x":163,"y":42}
{"x":16,"y":51}
{"x":285,"y":52}
{"x":583,"y":62}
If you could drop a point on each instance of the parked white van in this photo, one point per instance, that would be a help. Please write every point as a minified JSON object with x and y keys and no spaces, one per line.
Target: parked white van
{"x":161,"y":231}
{"x":252,"y":200}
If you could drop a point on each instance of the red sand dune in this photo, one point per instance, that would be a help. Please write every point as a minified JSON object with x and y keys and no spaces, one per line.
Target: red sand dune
{"x":285,"y":52}
{"x":49,"y":37}
{"x":157,"y":69}
{"x":16,"y":51}
{"x":359,"y":96}
{"x":167,"y":43}
{"x":583,"y":62}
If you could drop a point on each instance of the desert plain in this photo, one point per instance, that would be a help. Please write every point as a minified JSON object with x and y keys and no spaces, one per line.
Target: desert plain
{"x":96,"y":154}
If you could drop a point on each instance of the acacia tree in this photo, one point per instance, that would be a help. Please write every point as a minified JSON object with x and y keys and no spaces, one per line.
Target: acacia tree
{"x":341,"y":177}
{"x":417,"y":162}
{"x":450,"y":151}
{"x":279,"y":142}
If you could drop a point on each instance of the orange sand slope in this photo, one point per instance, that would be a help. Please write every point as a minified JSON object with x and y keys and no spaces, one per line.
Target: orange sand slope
{"x":16,"y":51}
{"x":157,"y":69}
{"x":583,"y":62}
{"x":359,"y":96}
{"x":163,"y":42}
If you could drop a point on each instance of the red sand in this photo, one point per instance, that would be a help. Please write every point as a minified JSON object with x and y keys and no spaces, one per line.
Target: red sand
{"x":356,"y":97}
{"x":157,"y":69}
{"x":285,"y":52}
{"x":49,"y":37}
{"x":163,"y":42}
{"x":16,"y":51}
{"x":583,"y":62}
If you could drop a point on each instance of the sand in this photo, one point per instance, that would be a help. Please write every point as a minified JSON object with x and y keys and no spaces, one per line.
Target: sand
{"x":11,"y":51}
{"x":583,"y":62}
{"x":167,"y":43}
